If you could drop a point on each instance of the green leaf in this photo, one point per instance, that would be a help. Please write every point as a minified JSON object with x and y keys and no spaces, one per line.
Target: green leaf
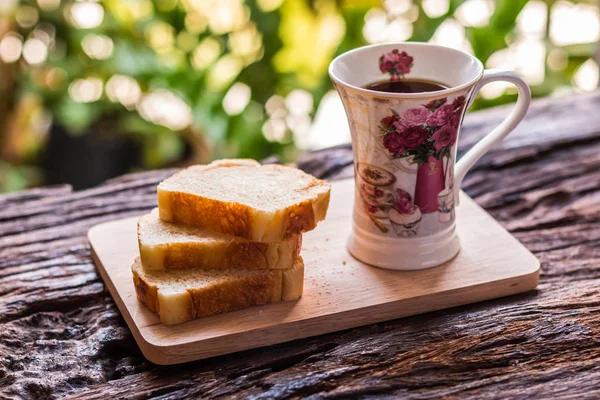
{"x":491,"y":38}
{"x":505,"y":14}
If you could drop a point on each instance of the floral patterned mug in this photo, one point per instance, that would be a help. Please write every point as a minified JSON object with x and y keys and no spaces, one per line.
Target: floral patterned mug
{"x":404,"y":144}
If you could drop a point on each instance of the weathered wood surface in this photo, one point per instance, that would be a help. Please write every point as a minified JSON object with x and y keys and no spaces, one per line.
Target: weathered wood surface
{"x":61,"y":335}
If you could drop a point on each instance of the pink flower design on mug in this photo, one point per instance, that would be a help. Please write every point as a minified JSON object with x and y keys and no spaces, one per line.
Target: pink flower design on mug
{"x":404,"y":139}
{"x":445,"y":137}
{"x":389,"y":121}
{"x":413,"y":117}
{"x":395,"y":63}
{"x":414,"y":136}
{"x":454,"y":120}
{"x":441,"y":116}
{"x":393,"y":143}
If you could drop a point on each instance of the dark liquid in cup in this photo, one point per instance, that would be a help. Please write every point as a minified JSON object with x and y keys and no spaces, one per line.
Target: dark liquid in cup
{"x":406,"y":86}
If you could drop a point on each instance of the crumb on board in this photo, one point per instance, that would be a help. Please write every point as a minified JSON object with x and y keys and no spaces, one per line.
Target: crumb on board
{"x":327,"y":239}
{"x":343,"y":262}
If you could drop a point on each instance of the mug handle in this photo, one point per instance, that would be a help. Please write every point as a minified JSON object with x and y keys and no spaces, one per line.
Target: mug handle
{"x":501,"y":131}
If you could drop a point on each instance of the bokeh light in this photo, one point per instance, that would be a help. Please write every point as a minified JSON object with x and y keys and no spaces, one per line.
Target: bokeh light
{"x":195,"y":23}
{"x":86,"y":90}
{"x":11,"y":46}
{"x":274,"y":130}
{"x":35,"y":51}
{"x":160,"y":36}
{"x":128,"y":12}
{"x":322,"y":133}
{"x":530,"y":57}
{"x":397,"y":7}
{"x":246,"y":43}
{"x":375,"y":24}
{"x":48,"y":5}
{"x":123,"y":89}
{"x":269,"y":5}
{"x":225,"y":15}
{"x":8,"y":6}
{"x":533,"y":19}
{"x":574,"y":23}
{"x":27,"y":16}
{"x":391,"y":25}
{"x":224,"y":72}
{"x":237,"y":98}
{"x":587,"y":76}
{"x":222,"y":16}
{"x":299,"y":102}
{"x":206,"y":53}
{"x":86,"y":14}
{"x":451,"y":34}
{"x":186,"y":41}
{"x":475,"y":12}
{"x":275,"y":107}
{"x":165,"y":108}
{"x":98,"y":47}
{"x":435,"y":8}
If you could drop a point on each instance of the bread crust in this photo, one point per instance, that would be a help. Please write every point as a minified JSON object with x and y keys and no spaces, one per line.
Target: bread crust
{"x":229,"y":218}
{"x":238,"y":219}
{"x":239,"y":294}
{"x":177,"y":305}
{"x":146,"y":293}
{"x":218,"y":253}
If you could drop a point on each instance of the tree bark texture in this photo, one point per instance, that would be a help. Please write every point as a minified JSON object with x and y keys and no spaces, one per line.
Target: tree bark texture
{"x":61,"y":334}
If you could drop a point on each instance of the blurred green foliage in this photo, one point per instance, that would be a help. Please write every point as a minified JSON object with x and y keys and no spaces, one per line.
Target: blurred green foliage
{"x":196,"y":50}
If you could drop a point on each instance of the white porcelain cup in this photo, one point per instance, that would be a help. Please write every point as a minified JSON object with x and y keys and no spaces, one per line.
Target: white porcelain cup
{"x":404,"y":146}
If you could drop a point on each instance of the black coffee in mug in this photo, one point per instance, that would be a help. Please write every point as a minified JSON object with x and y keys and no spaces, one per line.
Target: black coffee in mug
{"x":406,"y":86}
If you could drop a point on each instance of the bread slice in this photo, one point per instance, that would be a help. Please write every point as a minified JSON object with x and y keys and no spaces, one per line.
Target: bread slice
{"x":183,"y":295}
{"x":167,"y":246}
{"x":268,"y":203}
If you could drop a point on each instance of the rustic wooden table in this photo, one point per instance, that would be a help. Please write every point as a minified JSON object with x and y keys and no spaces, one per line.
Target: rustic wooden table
{"x":61,"y":334}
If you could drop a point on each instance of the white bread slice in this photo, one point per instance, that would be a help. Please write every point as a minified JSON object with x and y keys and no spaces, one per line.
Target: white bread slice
{"x":167,"y":246}
{"x":268,"y":203}
{"x":183,"y":295}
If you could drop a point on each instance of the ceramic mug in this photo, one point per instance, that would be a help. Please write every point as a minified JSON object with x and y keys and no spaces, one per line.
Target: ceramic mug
{"x":404,"y":147}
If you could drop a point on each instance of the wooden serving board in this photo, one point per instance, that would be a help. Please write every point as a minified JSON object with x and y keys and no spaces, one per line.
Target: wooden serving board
{"x":339,"y":291}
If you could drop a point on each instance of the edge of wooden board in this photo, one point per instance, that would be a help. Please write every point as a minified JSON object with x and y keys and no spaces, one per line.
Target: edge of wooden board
{"x":191,"y":351}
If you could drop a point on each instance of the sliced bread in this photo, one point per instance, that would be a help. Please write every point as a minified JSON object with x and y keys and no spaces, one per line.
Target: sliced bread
{"x":183,"y":295}
{"x":268,"y":203}
{"x":166,"y":246}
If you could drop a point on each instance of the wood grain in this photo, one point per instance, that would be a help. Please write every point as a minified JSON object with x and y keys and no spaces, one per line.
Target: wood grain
{"x":61,"y":334}
{"x":340,"y":292}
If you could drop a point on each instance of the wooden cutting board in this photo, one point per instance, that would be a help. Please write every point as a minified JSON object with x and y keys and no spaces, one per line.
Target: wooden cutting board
{"x":339,"y":291}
